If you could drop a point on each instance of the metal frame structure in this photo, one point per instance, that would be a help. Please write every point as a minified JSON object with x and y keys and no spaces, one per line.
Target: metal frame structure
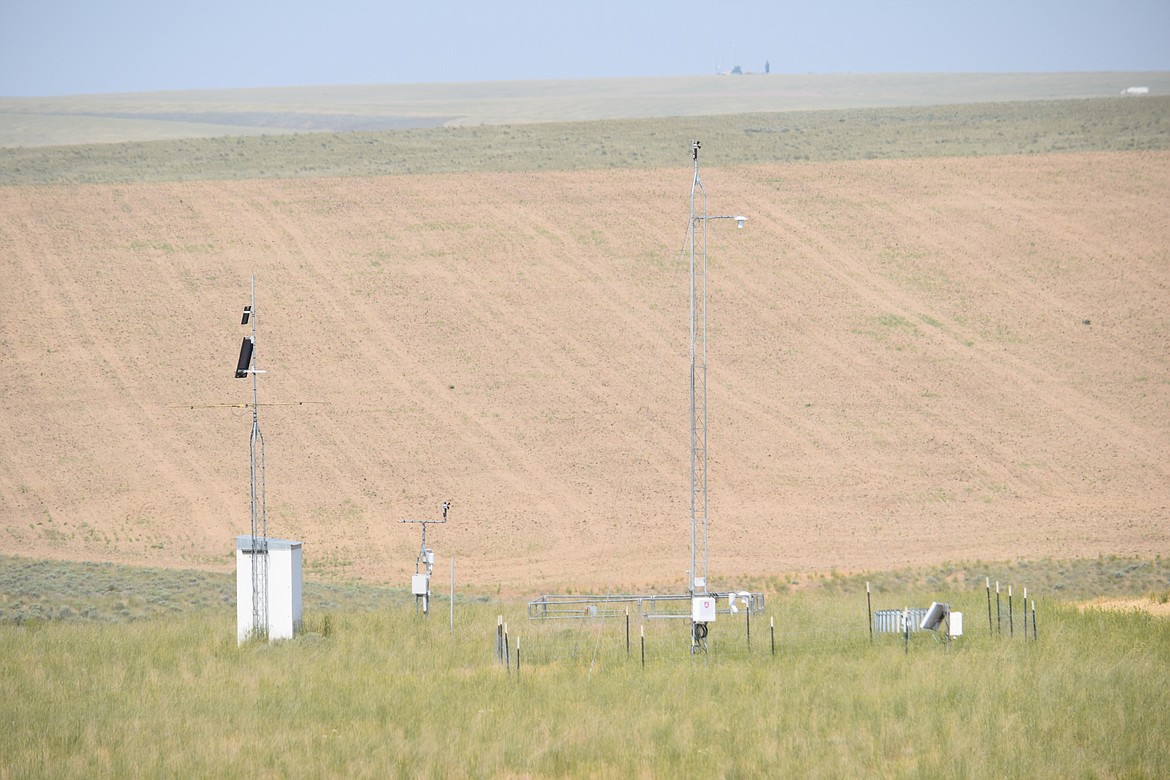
{"x":652,"y":606}
{"x":426,"y":556}
{"x":698,"y":385}
{"x":698,"y":585}
{"x":554,"y":606}
{"x":258,"y":491}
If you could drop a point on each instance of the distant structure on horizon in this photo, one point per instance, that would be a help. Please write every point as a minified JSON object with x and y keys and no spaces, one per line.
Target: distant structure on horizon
{"x":1136,"y":91}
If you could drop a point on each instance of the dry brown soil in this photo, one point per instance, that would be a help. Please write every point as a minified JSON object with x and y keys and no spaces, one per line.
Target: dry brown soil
{"x":1160,"y":609}
{"x":910,"y":362}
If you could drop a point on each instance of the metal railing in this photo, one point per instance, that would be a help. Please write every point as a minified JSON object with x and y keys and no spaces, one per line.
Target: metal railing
{"x":649,"y":605}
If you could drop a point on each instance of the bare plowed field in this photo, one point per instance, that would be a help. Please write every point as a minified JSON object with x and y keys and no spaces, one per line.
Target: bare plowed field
{"x":910,"y":362}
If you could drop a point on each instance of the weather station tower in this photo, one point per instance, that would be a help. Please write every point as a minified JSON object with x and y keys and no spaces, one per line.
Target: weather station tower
{"x":703,"y":602}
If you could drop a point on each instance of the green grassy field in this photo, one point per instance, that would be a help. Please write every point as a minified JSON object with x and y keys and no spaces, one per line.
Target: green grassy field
{"x":372,"y":689}
{"x":1103,"y":124}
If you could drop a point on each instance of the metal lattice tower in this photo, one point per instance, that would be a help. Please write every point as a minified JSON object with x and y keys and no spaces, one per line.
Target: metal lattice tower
{"x":699,"y":584}
{"x":698,"y":379}
{"x":699,"y":602}
{"x":258,"y":491}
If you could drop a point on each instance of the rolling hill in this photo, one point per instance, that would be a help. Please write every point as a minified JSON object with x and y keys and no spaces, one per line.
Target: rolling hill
{"x":926,"y":347}
{"x":911,"y":360}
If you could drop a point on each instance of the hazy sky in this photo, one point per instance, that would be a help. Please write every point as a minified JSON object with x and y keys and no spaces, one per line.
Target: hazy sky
{"x":55,"y":47}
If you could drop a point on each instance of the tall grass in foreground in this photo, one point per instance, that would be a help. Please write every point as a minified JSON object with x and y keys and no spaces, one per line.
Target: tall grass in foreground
{"x":387,"y":693}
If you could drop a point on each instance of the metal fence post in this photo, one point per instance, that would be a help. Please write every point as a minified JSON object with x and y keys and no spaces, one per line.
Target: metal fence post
{"x":869,"y":611}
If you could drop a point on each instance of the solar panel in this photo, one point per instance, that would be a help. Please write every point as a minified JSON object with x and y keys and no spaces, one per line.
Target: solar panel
{"x":245,"y":361}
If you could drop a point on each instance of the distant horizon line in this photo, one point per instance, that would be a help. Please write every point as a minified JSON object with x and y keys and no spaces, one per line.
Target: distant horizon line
{"x":574,"y":79}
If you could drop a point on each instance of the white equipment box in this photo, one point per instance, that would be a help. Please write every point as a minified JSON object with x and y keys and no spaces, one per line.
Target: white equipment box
{"x":420,"y":585}
{"x":703,"y":609}
{"x":280,"y":582}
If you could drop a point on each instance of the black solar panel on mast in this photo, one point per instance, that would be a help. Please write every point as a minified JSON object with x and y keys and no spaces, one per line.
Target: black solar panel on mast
{"x":245,"y":361}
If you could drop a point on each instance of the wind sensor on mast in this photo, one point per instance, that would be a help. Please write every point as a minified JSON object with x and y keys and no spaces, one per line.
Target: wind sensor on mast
{"x":268,"y":571}
{"x":420,"y":583}
{"x":704,"y":603}
{"x":703,"y":608}
{"x":259,"y":543}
